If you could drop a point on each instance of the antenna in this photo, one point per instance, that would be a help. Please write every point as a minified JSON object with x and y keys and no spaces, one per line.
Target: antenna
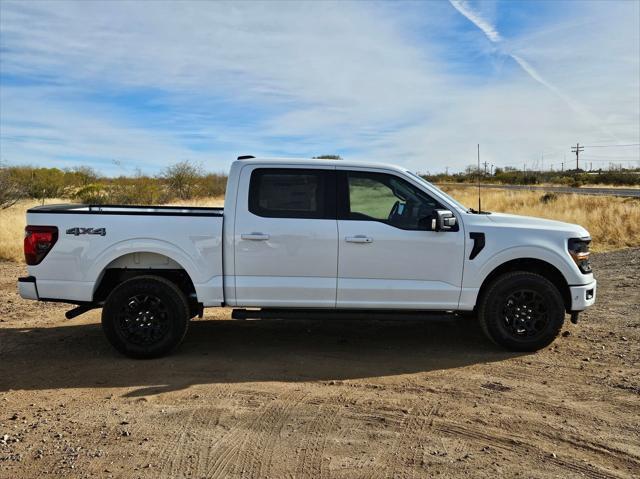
{"x":479,"y":201}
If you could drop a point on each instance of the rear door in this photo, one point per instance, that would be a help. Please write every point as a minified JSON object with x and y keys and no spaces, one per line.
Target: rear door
{"x":286,"y":238}
{"x":388,"y":255}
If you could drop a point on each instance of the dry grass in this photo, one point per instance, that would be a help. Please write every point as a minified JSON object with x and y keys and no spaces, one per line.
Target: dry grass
{"x":12,"y":223}
{"x":613,"y":222}
{"x":215,"y":201}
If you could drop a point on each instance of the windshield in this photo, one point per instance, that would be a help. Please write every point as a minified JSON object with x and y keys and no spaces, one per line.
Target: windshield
{"x":421,"y":180}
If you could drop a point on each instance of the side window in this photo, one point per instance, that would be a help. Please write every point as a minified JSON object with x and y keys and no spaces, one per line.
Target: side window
{"x":289,"y":193}
{"x":387,"y":198}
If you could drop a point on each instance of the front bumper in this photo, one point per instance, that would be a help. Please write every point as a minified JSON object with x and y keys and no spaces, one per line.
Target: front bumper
{"x":27,"y":287}
{"x":583,"y":296}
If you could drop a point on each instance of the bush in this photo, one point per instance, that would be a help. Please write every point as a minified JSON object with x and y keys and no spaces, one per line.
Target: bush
{"x":10,"y":190}
{"x":182,"y":179}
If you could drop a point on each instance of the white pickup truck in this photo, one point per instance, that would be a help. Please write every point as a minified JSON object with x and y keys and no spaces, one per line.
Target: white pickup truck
{"x":308,"y":238}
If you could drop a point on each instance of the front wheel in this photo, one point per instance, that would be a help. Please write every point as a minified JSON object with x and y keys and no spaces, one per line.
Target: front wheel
{"x":145,"y":317}
{"x":521,"y":311}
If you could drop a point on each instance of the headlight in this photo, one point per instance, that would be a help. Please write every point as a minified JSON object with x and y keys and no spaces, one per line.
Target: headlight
{"x":579,"y":251}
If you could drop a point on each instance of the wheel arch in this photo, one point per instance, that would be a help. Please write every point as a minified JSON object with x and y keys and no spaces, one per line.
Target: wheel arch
{"x":532,"y":265}
{"x":142,"y":263}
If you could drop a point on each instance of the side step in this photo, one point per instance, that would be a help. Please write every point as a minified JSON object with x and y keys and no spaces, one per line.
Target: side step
{"x":343,"y":314}
{"x":78,"y":310}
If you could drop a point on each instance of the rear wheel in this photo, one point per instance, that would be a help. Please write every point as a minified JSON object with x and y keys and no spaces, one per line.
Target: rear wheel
{"x":521,"y":311}
{"x":145,"y":317}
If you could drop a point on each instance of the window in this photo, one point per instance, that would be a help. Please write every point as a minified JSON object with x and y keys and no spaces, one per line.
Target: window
{"x":290,"y":193}
{"x":386,"y":198}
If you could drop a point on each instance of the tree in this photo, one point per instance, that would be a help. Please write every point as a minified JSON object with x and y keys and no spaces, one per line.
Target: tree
{"x":10,"y":189}
{"x":182,"y":179}
{"x":328,"y":157}
{"x":81,"y":176}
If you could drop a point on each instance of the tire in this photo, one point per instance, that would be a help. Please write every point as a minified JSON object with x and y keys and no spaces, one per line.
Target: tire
{"x":145,"y":317}
{"x":521,"y":311}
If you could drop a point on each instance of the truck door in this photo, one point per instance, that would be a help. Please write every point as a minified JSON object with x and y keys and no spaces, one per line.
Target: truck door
{"x":286,"y":238}
{"x":388,"y":255}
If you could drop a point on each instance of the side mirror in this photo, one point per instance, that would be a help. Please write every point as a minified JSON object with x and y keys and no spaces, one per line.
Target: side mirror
{"x":444,"y":221}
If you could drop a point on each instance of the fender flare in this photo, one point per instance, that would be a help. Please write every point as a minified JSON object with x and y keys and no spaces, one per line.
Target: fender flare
{"x":143,"y":245}
{"x":551,"y":257}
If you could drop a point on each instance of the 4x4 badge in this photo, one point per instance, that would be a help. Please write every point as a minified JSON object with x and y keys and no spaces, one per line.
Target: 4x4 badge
{"x":87,"y":231}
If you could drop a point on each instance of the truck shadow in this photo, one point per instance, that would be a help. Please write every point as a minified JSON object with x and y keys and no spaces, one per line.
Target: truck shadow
{"x":78,"y":356}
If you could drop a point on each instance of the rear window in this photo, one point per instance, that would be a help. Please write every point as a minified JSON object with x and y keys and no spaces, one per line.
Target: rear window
{"x":288,"y":193}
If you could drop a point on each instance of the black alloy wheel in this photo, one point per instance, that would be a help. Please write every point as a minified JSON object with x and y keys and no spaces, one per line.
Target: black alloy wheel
{"x":521,"y":311}
{"x":145,"y":317}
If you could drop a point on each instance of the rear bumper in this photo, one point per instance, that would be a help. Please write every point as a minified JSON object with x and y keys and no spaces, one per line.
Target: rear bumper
{"x":583,"y":296}
{"x":27,"y":287}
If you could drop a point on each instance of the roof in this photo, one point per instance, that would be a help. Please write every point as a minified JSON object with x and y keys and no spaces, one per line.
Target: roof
{"x":321,"y":162}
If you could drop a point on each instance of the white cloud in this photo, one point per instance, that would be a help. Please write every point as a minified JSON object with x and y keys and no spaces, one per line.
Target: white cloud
{"x":477,"y":19}
{"x":392,"y":82}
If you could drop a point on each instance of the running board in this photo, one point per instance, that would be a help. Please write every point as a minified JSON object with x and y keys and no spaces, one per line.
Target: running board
{"x":343,"y":314}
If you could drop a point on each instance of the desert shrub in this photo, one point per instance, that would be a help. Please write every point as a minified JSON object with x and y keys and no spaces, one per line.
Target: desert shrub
{"x":10,"y":190}
{"x":94,"y":194}
{"x":39,"y":182}
{"x":182,"y":179}
{"x":548,"y":198}
{"x":212,"y":184}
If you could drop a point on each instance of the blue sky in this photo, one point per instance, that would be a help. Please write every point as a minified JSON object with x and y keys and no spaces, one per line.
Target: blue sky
{"x":127,"y":85}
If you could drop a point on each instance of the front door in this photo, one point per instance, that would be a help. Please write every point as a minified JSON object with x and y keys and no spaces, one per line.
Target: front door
{"x":388,"y":255}
{"x":286,"y":239}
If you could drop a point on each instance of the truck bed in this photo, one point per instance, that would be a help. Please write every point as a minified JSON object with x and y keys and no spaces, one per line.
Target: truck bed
{"x":92,"y":239}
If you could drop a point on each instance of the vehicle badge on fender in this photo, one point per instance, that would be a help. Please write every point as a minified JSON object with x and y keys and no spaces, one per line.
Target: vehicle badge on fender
{"x":87,"y":231}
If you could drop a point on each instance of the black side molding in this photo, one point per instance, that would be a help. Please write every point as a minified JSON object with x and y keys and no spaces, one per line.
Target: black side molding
{"x":27,"y":279}
{"x":478,"y":244}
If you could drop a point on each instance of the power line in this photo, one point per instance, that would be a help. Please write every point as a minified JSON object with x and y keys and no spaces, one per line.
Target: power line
{"x":612,"y":146}
{"x":610,"y":159}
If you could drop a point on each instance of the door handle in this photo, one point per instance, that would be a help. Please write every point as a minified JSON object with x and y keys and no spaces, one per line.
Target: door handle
{"x":254,"y":236}
{"x":359,"y":239}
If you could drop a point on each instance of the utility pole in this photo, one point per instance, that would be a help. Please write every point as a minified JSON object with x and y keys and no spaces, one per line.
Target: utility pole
{"x":485,"y":168}
{"x":479,"y":201}
{"x":446,"y":170}
{"x":577,"y":150}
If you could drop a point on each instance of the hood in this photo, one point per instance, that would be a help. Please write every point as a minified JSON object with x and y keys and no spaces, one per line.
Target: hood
{"x":532,"y":222}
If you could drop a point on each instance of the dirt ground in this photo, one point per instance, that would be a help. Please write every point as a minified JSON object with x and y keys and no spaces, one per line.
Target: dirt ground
{"x":344,"y":399}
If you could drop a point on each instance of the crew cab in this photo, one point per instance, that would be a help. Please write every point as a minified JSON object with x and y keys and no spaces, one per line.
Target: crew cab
{"x":309,"y":238}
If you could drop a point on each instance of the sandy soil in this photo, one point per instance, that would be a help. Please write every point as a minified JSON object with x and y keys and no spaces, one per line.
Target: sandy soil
{"x":344,"y":399}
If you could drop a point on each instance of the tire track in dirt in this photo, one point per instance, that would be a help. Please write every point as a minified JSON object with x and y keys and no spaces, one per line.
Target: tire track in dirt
{"x":415,"y":420}
{"x":220,"y":457}
{"x":517,"y":446}
{"x":170,"y":454}
{"x":613,"y":454}
{"x":405,"y":453}
{"x":267,"y":431}
{"x":309,"y":462}
{"x":247,"y":450}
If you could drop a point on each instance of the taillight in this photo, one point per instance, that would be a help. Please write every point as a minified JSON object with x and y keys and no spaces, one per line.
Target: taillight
{"x":38,"y":241}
